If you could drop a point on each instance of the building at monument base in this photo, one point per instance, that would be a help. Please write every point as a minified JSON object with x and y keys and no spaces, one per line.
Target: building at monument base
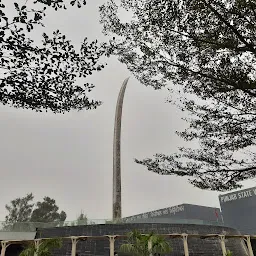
{"x":239,"y":210}
{"x":184,"y":213}
{"x":197,"y":246}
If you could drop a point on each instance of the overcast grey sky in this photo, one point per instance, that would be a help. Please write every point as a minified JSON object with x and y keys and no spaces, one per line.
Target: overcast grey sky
{"x":69,"y":157}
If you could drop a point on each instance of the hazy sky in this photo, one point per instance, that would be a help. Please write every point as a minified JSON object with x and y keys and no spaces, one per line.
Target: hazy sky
{"x":69,"y":157}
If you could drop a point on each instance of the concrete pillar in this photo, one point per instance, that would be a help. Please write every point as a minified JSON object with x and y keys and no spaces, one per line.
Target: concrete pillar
{"x":4,"y":245}
{"x":150,"y":247}
{"x":223,"y":246}
{"x":74,"y":241}
{"x":111,"y":245}
{"x":37,"y":244}
{"x":249,"y":245}
{"x":185,"y":244}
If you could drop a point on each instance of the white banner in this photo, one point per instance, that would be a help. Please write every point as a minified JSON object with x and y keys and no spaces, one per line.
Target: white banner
{"x":238,"y":195}
{"x":166,"y":211}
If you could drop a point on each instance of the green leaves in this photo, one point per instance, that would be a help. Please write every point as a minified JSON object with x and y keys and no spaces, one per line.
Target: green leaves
{"x":229,"y":253}
{"x":47,"y":211}
{"x":45,"y":247}
{"x":78,"y":2}
{"x":60,"y":4}
{"x":16,"y":6}
{"x":144,"y":245}
{"x":26,"y":82}
{"x":82,"y":219}
{"x":206,"y":51}
{"x":22,"y":211}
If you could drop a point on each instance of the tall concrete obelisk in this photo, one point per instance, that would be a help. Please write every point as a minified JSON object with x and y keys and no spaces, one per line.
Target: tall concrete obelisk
{"x":117,"y":197}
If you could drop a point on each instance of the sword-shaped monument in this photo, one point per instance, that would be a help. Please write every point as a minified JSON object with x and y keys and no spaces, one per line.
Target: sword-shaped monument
{"x":117,"y":187}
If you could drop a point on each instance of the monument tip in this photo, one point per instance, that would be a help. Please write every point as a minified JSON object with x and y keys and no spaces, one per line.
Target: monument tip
{"x":126,"y":80}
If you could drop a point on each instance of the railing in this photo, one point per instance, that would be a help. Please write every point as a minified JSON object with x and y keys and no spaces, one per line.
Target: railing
{"x":32,"y":226}
{"x":244,"y":239}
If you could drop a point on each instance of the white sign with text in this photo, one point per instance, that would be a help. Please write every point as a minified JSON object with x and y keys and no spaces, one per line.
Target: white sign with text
{"x":238,"y":195}
{"x":171,"y":210}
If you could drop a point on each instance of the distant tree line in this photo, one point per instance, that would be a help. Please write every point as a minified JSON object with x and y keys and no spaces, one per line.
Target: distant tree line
{"x":24,"y":214}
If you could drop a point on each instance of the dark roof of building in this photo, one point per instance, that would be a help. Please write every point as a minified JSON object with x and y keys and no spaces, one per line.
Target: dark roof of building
{"x":171,"y":209}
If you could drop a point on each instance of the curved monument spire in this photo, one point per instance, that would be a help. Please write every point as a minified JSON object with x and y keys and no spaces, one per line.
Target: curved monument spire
{"x":117,"y":207}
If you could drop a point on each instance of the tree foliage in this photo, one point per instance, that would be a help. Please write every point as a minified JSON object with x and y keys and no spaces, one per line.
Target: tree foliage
{"x":205,"y":50}
{"x":47,"y":211}
{"x":23,"y":214}
{"x":82,"y":219}
{"x":45,"y":247}
{"x":138,"y":244}
{"x":229,"y":253}
{"x":49,"y":75}
{"x":20,"y":209}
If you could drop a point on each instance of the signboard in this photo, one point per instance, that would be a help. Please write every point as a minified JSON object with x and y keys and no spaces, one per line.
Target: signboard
{"x":239,"y":210}
{"x":242,"y":194}
{"x":158,"y":213}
